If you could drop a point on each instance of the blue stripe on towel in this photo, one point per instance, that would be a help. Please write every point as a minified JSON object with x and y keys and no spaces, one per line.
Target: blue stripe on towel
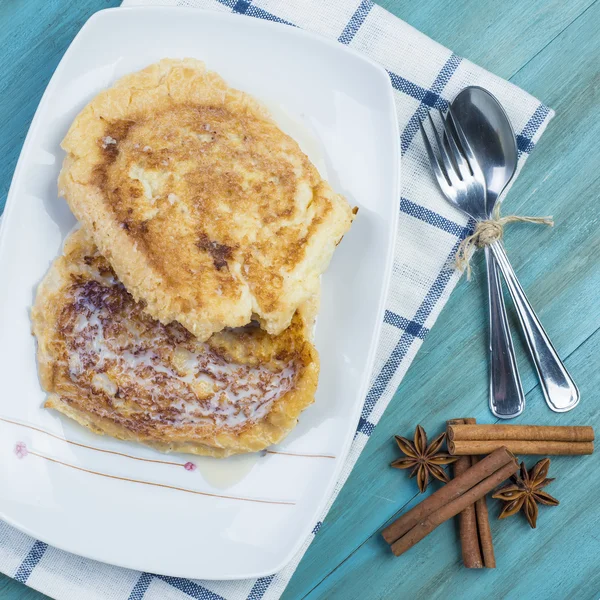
{"x":357,"y":19}
{"x":431,"y":99}
{"x":525,"y":138}
{"x":410,"y":327}
{"x":141,"y":586}
{"x":192,"y":589}
{"x":30,"y":561}
{"x":260,"y":587}
{"x":428,"y":216}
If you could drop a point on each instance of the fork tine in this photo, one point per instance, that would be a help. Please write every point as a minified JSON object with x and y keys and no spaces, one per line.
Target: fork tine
{"x":466,"y":147}
{"x":451,"y":173}
{"x":462,"y":165}
{"x":436,"y":167}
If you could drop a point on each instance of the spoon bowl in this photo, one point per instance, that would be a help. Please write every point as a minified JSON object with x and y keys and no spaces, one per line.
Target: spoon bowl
{"x":491,"y":136}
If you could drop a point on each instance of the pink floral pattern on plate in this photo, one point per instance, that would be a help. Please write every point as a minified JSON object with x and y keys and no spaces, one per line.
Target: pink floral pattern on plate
{"x":21,"y":450}
{"x":190,"y":466}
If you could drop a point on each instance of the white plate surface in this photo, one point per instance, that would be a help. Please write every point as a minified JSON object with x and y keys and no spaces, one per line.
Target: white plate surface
{"x":110,"y":500}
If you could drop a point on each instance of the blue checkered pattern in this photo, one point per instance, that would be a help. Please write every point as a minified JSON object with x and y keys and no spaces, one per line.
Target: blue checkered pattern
{"x":424,"y":76}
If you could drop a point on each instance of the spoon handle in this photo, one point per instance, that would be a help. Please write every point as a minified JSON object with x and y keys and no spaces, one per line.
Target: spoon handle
{"x":507,"y":399}
{"x":559,"y":389}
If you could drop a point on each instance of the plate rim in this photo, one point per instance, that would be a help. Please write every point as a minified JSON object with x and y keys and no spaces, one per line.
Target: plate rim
{"x":389,"y":257}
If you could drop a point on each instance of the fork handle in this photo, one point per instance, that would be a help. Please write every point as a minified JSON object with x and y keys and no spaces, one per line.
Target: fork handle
{"x":507,"y":399}
{"x":559,"y":389}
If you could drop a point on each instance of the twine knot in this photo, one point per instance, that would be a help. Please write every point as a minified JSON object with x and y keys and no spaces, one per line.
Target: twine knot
{"x":486,"y":233}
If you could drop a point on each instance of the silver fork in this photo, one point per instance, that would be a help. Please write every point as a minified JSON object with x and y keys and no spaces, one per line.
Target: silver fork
{"x":463,"y":184}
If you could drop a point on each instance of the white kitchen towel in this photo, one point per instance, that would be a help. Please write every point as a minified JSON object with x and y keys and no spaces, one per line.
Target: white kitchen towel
{"x":424,"y":75}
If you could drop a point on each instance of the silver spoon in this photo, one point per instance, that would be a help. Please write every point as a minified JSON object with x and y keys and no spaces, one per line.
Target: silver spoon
{"x":496,"y":150}
{"x":488,"y":129}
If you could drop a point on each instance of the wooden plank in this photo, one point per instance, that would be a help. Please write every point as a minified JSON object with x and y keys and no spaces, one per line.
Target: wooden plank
{"x":558,"y":268}
{"x":499,"y":36}
{"x":558,"y":560}
{"x":13,"y":590}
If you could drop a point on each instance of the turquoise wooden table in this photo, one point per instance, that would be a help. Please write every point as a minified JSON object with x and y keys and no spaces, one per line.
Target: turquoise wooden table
{"x":551,"y":48}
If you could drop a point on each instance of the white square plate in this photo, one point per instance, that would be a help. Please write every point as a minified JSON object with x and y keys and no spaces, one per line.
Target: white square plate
{"x":128,"y":505}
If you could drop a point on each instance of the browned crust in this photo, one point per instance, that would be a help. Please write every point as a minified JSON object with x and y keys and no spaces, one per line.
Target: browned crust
{"x":205,"y":209}
{"x":89,"y":408}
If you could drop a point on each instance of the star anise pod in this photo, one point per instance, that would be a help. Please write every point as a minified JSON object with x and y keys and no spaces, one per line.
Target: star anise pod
{"x":425,"y":460}
{"x":526,"y":491}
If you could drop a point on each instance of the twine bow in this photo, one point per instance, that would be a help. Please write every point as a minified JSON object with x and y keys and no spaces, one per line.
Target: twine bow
{"x":486,"y":233}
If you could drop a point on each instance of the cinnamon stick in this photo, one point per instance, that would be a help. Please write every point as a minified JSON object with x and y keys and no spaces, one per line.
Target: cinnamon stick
{"x":474,"y":524}
{"x":423,"y":528}
{"x":467,"y":519}
{"x":470,"y":431}
{"x":470,"y":447}
{"x":483,"y":529}
{"x":448,"y":501}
